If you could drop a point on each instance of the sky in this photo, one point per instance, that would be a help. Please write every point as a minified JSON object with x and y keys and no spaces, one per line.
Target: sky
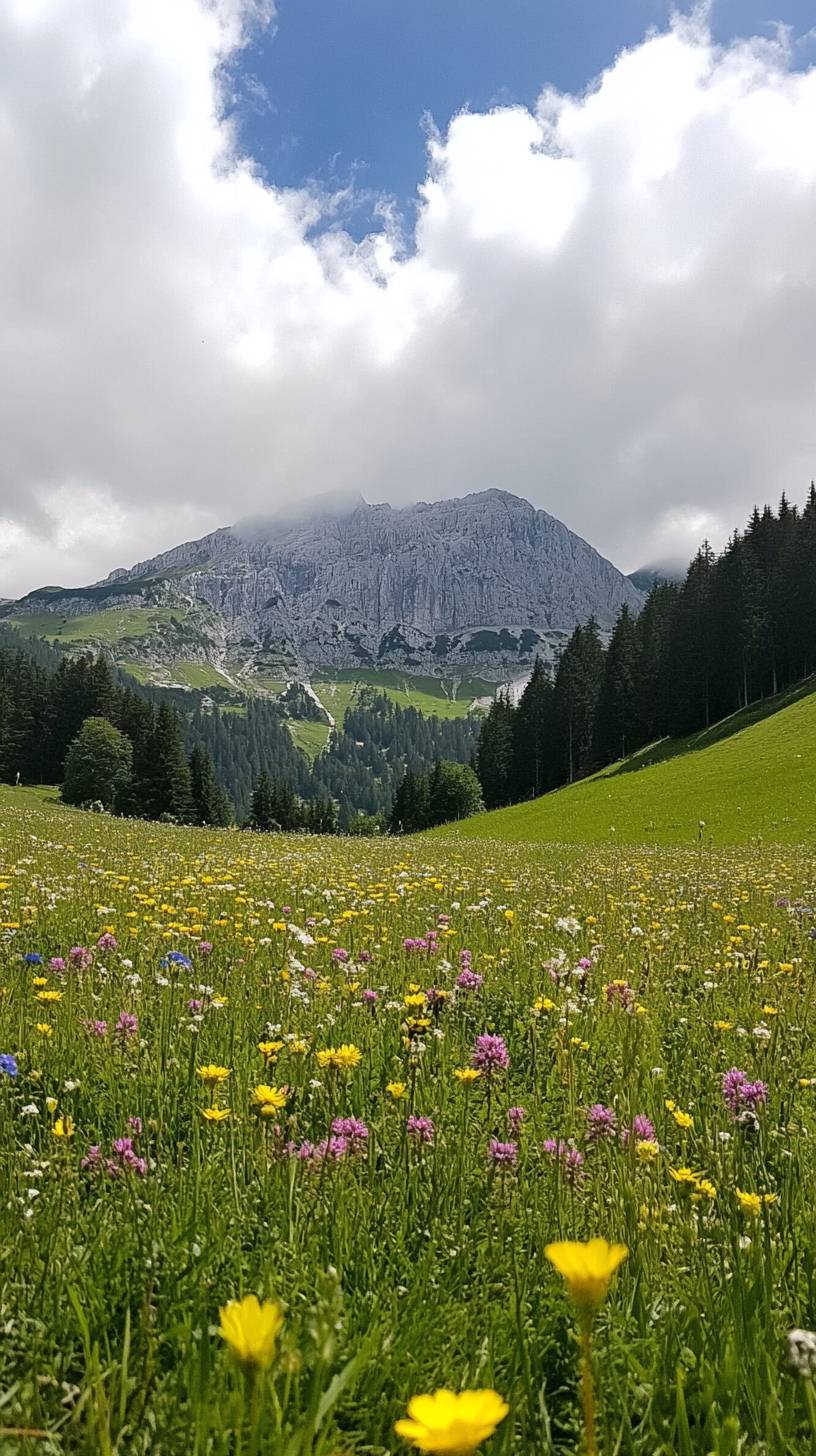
{"x":410,"y":248}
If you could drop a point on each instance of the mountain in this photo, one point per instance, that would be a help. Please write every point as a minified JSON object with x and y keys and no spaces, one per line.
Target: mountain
{"x":480,"y":583}
{"x":648,"y":576}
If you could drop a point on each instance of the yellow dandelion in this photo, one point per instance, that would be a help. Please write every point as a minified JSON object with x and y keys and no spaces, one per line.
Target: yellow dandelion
{"x":587,"y":1269}
{"x":451,"y":1423}
{"x":251,"y":1328}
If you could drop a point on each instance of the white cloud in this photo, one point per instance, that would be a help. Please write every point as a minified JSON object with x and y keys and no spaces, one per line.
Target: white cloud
{"x":609,"y":304}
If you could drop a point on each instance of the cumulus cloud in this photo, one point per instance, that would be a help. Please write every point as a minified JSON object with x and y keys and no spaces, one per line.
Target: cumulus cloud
{"x":608,"y":305}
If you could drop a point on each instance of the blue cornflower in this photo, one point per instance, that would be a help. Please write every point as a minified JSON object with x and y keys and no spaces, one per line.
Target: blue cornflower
{"x":33,"y":958}
{"x":8,"y":1064}
{"x":177,"y":958}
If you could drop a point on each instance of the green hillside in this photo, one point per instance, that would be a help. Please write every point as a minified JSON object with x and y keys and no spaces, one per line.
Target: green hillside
{"x":752,"y":776}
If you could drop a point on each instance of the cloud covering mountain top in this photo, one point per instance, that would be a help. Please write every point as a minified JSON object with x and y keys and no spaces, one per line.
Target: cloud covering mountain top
{"x":607,"y":306}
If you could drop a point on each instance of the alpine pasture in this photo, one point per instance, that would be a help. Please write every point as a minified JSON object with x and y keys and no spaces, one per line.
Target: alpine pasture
{"x":371,"y":1082}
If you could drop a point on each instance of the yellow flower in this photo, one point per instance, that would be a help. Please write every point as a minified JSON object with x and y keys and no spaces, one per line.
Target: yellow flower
{"x":251,"y":1330}
{"x":39,"y":981}
{"x":269,"y":1099}
{"x":215,"y":1114}
{"x":51,"y":1104}
{"x":269,"y":1050}
{"x":396,"y":1090}
{"x":647,"y":1150}
{"x":340,"y":1059}
{"x":467,"y":1074}
{"x":63,"y":1127}
{"x":212,"y":1075}
{"x":544,"y":1004}
{"x":414,"y":999}
{"x":684,"y":1120}
{"x":723,"y":1026}
{"x":451,"y":1422}
{"x":751,"y":1203}
{"x":44,"y":1028}
{"x":587,"y":1269}
{"x":49,"y":997}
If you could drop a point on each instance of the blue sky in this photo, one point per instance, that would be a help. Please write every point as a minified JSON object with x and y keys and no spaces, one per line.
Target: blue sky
{"x":346,"y":83}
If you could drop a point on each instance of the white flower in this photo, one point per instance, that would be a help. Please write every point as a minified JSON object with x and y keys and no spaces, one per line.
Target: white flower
{"x":802,"y":1351}
{"x":30,"y":1110}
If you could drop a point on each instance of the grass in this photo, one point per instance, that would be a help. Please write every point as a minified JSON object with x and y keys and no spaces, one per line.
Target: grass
{"x":110,"y":627}
{"x":751,"y":777}
{"x":404,"y":1261}
{"x":446,"y":697}
{"x":311,"y":737}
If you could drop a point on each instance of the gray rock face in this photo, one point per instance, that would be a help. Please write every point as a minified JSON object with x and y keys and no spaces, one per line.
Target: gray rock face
{"x":481,"y":582}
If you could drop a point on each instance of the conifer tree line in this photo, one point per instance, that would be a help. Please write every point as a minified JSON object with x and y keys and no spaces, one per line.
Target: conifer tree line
{"x":69,"y":721}
{"x":740,"y":627}
{"x":147,"y":753}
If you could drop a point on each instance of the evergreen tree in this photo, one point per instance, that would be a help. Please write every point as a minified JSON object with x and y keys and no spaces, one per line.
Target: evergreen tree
{"x":168,"y":787}
{"x":210,"y":803}
{"x":617,"y":726}
{"x":494,"y":754}
{"x":263,"y":807}
{"x":577,"y":684}
{"x":533,"y":737}
{"x":97,"y":764}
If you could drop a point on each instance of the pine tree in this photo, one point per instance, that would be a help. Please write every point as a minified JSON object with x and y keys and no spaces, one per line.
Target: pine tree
{"x":577,"y":684}
{"x":169,"y":786}
{"x":494,"y":754}
{"x":263,"y":806}
{"x":617,"y":727}
{"x":532,"y":736}
{"x":210,"y":803}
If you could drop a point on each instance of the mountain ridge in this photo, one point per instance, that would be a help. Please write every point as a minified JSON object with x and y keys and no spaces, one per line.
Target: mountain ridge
{"x":482,"y":581}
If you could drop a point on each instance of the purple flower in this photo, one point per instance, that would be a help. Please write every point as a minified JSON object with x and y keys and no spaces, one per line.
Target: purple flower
{"x":127,"y":1025}
{"x":80,"y":956}
{"x":93,"y":1157}
{"x":567,"y":1156}
{"x":601,"y":1123}
{"x":136,"y":1126}
{"x":339,"y":954}
{"x":490,"y":1053}
{"x":364,"y":957}
{"x":421,"y":1129}
{"x":469,"y":980}
{"x":620,"y":993}
{"x":370,"y":997}
{"x":515,"y":1117}
{"x":57,"y":964}
{"x":740,"y":1094}
{"x":643,"y":1129}
{"x":502,"y":1153}
{"x":107,"y":941}
{"x":204,"y":947}
{"x":352,"y":1129}
{"x":96,"y":1028}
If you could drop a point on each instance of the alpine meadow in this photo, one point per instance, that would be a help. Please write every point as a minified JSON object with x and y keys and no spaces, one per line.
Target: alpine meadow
{"x":407,"y":728}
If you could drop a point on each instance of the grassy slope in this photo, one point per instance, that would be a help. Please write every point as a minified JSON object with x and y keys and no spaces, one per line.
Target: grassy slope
{"x":446,"y":697}
{"x":749,"y":777}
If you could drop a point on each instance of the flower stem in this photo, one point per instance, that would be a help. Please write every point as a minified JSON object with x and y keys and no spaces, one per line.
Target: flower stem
{"x":588,"y":1387}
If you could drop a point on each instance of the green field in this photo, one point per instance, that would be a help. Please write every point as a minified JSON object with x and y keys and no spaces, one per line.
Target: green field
{"x":751,"y":777}
{"x":110,"y":627}
{"x":311,"y":737}
{"x":446,"y":697}
{"x":142,"y":1187}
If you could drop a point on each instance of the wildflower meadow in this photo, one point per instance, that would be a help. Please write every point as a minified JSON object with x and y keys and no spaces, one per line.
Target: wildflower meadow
{"x":333,"y":1146}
